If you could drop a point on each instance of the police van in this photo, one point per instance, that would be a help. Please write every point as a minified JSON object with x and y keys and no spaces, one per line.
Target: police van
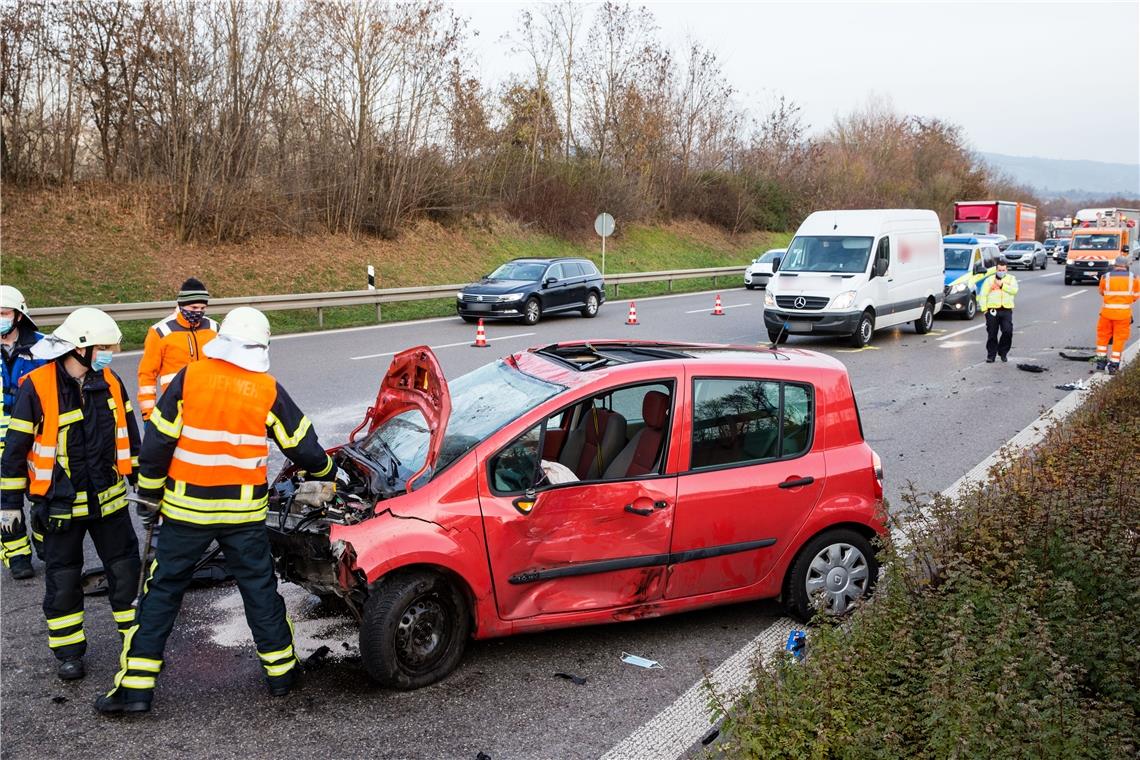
{"x":965,"y":256}
{"x":853,"y":272}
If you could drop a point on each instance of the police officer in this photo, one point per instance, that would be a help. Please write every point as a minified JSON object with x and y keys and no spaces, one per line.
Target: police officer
{"x":995,"y":298}
{"x":205,"y":457}
{"x":1119,"y":289}
{"x":174,"y":342}
{"x":72,"y":439}
{"x":17,"y":336}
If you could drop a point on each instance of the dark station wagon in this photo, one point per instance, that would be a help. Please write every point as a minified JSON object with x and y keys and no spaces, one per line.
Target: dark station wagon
{"x":528,"y":289}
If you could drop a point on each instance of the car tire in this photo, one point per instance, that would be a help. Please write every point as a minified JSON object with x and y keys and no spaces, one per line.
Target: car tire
{"x":925,"y":320}
{"x":865,"y":329}
{"x":749,"y":286}
{"x":468,"y":320}
{"x":590,"y":310}
{"x":838,"y":562}
{"x":1068,"y":280}
{"x":1045,"y":262}
{"x":532,"y":311}
{"x":971,"y":309}
{"x":414,"y":630}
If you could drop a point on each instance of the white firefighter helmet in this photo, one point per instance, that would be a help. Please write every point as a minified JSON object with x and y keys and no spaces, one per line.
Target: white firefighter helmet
{"x":10,"y":298}
{"x":84,"y":327}
{"x":246,"y":325}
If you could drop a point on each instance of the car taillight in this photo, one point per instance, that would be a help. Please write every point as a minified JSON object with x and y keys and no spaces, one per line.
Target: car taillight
{"x":877,"y":464}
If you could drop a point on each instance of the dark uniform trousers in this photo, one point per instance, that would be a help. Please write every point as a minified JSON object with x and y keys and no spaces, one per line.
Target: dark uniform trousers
{"x":248,"y":559}
{"x":1001,"y":319}
{"x":118,"y":548}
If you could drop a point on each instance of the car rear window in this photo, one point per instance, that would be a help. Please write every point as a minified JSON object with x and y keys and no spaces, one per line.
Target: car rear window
{"x":745,"y":421}
{"x":588,"y":268}
{"x":572,"y":269}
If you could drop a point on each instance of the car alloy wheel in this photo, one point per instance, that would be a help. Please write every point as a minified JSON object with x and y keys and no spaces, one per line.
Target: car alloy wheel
{"x":591,"y":308}
{"x":532,"y":312}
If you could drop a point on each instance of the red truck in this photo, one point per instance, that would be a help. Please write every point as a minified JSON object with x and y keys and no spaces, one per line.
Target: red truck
{"x":1017,"y":221}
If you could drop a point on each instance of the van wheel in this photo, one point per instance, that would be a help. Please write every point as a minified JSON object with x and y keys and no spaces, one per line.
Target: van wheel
{"x":863,"y":333}
{"x":832,"y":573}
{"x":971,"y":309}
{"x":414,"y":630}
{"x":925,"y":320}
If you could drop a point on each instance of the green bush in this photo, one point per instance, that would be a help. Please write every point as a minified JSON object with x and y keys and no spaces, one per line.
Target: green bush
{"x":1015,"y":635}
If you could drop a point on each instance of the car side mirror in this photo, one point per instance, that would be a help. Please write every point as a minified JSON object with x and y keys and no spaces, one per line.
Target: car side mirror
{"x":881,"y":267}
{"x":776,"y":264}
{"x":979,"y":268}
{"x":549,"y":281}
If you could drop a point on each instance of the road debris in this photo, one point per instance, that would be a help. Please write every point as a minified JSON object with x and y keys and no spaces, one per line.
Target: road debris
{"x":710,"y":737}
{"x":1082,"y":357}
{"x":641,"y":662}
{"x":577,"y":680}
{"x":59,"y":700}
{"x":1032,"y":368}
{"x":1080,"y":385}
{"x":797,"y":643}
{"x":317,"y":657}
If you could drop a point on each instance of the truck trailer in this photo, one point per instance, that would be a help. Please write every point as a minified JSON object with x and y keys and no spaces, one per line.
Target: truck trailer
{"x":1017,"y":221}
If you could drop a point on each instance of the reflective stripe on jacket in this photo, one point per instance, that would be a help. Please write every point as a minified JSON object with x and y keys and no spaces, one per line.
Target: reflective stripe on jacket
{"x":69,"y":445}
{"x":170,"y":345}
{"x":1119,"y":292}
{"x":206,"y":449}
{"x":997,"y":299}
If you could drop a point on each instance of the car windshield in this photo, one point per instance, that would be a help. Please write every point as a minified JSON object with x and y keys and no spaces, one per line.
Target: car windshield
{"x":1051,"y":241}
{"x":770,"y":256}
{"x":827,"y":253}
{"x":957,"y":258}
{"x":1021,"y":247}
{"x":482,"y":401}
{"x":1095,"y":243}
{"x":519,"y":270}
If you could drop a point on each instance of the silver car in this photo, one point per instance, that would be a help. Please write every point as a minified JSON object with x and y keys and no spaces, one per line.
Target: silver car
{"x":762,"y":268}
{"x":1027,"y":254}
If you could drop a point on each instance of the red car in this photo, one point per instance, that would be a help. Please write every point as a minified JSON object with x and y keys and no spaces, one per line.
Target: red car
{"x":584,"y":483}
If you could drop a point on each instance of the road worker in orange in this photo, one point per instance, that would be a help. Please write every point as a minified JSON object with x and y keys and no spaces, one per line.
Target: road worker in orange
{"x":72,"y":445}
{"x":1120,"y":288}
{"x":174,"y":342}
{"x":205,"y":456}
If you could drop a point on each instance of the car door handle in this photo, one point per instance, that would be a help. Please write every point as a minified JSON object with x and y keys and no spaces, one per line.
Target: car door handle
{"x":797,"y":482}
{"x":637,"y":511}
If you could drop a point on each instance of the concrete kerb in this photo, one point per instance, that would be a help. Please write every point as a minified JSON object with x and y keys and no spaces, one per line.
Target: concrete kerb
{"x":676,"y":730}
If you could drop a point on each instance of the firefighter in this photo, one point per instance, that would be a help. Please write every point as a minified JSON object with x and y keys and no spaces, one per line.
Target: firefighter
{"x":205,"y":456}
{"x":1120,"y":289}
{"x":995,"y":298}
{"x":17,"y":336}
{"x":72,"y":444}
{"x":174,"y":342}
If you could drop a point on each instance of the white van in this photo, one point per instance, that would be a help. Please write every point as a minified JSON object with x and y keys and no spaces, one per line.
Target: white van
{"x":854,"y":272}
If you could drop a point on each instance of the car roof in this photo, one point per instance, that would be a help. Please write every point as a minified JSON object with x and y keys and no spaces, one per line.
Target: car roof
{"x":576,"y":362}
{"x":541,"y":260}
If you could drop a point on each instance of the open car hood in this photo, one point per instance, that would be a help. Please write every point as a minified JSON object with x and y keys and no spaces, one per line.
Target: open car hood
{"x":414,"y":381}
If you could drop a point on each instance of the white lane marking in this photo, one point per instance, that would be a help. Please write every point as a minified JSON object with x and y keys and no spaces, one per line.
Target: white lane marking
{"x":733,"y":306}
{"x":1052,"y":274}
{"x":962,"y":332}
{"x":443,"y":345}
{"x":959,"y":343}
{"x":1074,"y":295}
{"x":678,"y":727}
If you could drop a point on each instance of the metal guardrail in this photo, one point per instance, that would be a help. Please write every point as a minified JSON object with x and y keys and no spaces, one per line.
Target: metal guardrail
{"x":53,"y":315}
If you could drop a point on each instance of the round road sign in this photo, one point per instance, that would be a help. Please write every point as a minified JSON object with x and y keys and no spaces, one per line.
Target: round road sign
{"x":604,"y":225}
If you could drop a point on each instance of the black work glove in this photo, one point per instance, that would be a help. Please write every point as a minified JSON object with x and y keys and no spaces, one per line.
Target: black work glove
{"x":58,"y":517}
{"x":12,"y":523}
{"x":148,"y":513}
{"x":133,"y":479}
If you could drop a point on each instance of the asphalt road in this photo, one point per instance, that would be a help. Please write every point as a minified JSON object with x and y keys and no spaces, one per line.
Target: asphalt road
{"x":930,"y":406}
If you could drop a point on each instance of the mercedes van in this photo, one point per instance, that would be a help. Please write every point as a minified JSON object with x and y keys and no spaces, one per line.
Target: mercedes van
{"x":853,"y":272}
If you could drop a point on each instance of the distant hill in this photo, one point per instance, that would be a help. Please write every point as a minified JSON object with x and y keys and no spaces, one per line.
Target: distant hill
{"x":1052,"y":176}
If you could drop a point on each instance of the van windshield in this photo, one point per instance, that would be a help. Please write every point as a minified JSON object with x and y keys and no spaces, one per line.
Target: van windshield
{"x":1096,"y":242}
{"x":957,"y":258}
{"x":827,"y":253}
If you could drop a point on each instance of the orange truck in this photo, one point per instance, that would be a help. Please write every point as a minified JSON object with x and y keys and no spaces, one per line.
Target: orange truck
{"x":1093,"y":250}
{"x":1017,"y":221}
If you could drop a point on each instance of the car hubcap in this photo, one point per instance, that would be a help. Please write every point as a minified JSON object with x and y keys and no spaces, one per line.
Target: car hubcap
{"x":838,"y":575}
{"x":927,"y":317}
{"x":421,"y":633}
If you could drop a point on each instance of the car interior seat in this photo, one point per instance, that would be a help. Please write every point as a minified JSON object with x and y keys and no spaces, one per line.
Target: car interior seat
{"x":642,"y":455}
{"x":593,"y":444}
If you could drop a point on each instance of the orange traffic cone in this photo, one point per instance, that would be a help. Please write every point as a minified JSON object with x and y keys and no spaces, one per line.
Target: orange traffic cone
{"x":718,"y":310}
{"x":632,"y":318}
{"x":480,"y":337}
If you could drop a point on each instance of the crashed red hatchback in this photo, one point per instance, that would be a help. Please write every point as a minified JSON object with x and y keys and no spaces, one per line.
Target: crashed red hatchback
{"x":583,"y":483}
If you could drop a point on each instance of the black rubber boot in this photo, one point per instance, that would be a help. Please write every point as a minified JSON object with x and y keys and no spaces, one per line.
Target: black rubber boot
{"x":71,"y":669}
{"x":1004,"y":358}
{"x":1113,"y":367}
{"x":124,"y":701}
{"x":21,"y":567}
{"x":1101,"y":364}
{"x":282,"y":685}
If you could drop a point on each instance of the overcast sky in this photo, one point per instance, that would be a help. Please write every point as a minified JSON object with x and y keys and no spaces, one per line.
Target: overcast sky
{"x":1017,"y":76}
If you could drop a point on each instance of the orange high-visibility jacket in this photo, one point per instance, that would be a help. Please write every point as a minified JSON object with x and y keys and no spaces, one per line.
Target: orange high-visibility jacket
{"x":206,"y":452}
{"x":170,"y":345}
{"x":1120,"y":290}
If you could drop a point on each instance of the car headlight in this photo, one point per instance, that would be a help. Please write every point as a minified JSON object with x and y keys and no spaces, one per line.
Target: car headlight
{"x":509,"y":297}
{"x":958,"y":287}
{"x":459,"y":297}
{"x":769,"y":299}
{"x":844,"y":300}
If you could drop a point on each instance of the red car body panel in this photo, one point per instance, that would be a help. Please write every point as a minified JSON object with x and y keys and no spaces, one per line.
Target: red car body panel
{"x":552,"y":567}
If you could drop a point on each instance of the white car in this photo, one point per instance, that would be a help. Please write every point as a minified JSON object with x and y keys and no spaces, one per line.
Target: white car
{"x":762,"y":268}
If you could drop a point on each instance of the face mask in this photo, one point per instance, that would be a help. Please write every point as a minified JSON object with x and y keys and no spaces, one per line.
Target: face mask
{"x":6,"y":325}
{"x":102,"y":360}
{"x":193,"y":317}
{"x":999,"y":275}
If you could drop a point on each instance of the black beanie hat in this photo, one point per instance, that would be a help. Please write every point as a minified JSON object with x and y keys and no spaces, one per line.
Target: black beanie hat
{"x":193,"y":291}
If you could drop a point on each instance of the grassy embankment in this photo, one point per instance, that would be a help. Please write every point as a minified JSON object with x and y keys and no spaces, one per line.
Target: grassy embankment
{"x":1019,"y":636}
{"x":103,"y":247}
